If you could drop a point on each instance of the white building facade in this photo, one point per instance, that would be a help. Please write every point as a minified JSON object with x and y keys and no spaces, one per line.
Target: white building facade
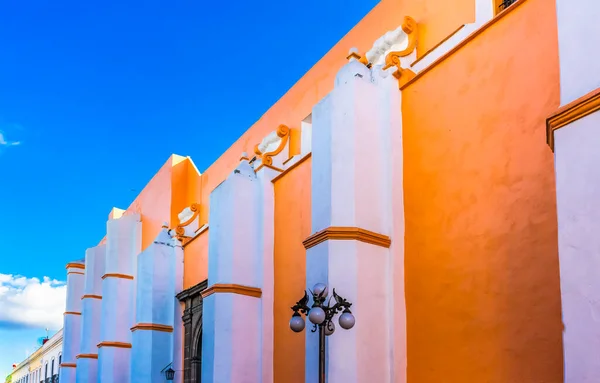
{"x":43,"y":365}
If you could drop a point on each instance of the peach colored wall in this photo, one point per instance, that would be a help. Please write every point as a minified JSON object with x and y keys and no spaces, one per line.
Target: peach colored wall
{"x":154,"y":203}
{"x":175,"y":186}
{"x":292,"y":226}
{"x":437,"y":20}
{"x":482,"y":279}
{"x":186,"y":186}
{"x":195,"y":260}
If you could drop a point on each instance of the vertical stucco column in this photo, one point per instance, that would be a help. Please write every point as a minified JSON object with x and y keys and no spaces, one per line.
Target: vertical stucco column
{"x":579,"y":74}
{"x":152,"y":333}
{"x":123,"y":244}
{"x":72,"y":321}
{"x":574,"y":134}
{"x":178,"y":326}
{"x":91,"y":303}
{"x":358,"y":225}
{"x":265,"y":221}
{"x":231,"y":336}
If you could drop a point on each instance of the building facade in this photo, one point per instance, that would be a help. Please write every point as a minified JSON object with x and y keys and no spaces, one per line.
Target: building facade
{"x":408,"y":170}
{"x":572,"y":132}
{"x":43,"y":365}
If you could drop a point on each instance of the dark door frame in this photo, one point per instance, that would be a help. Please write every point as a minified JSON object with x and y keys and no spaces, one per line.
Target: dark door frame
{"x":192,"y":324}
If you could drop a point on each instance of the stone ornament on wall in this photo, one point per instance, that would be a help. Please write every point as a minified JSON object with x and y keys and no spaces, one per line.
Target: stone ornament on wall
{"x":188,"y":222}
{"x":396,"y":49}
{"x":271,"y":146}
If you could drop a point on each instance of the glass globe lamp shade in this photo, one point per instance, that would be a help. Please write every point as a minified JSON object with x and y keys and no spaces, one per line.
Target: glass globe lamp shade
{"x":347,"y":320}
{"x":316,"y":315}
{"x":329,"y":328}
{"x":320,"y":289}
{"x":297,"y":323}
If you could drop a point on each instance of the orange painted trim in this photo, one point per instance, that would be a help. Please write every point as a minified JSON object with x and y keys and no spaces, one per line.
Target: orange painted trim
{"x":184,"y":244}
{"x":116,"y":275}
{"x":75,"y":272}
{"x":91,"y":296}
{"x":87,"y":356}
{"x":267,"y":166}
{"x":437,"y":45}
{"x":347,"y":234}
{"x":570,"y":113}
{"x":72,"y":265}
{"x":295,"y":165}
{"x":68,"y":365}
{"x":452,"y":51}
{"x":71,"y":313}
{"x":232,"y":289}
{"x":114,"y":344}
{"x":152,"y":327}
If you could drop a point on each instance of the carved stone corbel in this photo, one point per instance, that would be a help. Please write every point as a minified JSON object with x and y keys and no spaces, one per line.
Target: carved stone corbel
{"x":410,"y":27}
{"x":406,"y":33}
{"x":282,"y":134}
{"x":186,"y":217}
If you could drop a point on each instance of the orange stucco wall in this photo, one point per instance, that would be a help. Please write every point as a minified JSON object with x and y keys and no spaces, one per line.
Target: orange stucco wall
{"x":292,"y":226}
{"x":195,"y":260}
{"x":154,"y":203}
{"x":437,"y":18}
{"x":481,"y":264}
{"x":175,"y":186}
{"x":482,"y":277}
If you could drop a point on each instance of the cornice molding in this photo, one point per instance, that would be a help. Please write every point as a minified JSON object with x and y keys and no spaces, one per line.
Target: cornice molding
{"x":570,"y":113}
{"x":192,"y":291}
{"x":86,"y":356}
{"x":152,"y":327}
{"x":91,"y":296}
{"x":75,"y":265}
{"x":117,"y":275}
{"x":114,"y":344}
{"x":220,"y":288}
{"x":347,"y":234}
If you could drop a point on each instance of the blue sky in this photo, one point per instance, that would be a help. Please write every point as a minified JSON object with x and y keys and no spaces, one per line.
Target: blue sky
{"x":94,"y":97}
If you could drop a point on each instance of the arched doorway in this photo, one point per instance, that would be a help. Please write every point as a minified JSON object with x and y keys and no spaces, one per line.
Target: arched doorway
{"x":197,"y":359}
{"x":192,"y":322}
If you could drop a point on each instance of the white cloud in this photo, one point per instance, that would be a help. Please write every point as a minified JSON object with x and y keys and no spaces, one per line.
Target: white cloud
{"x":31,"y":303}
{"x":4,"y":142}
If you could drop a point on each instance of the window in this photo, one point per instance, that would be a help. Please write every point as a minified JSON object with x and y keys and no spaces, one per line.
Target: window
{"x":46,"y":371}
{"x":52,"y":369}
{"x":501,"y":5}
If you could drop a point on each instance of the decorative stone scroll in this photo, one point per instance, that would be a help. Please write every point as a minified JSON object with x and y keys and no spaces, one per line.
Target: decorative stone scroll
{"x":272,"y":145}
{"x":188,"y":222}
{"x":394,"y":49}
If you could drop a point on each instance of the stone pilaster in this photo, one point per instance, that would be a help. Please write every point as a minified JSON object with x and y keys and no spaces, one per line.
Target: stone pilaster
{"x":178,"y":326}
{"x":152,"y":334}
{"x":265,"y":221}
{"x":72,"y":321}
{"x":232,"y":312}
{"x":357,"y":214}
{"x":573,"y":135}
{"x":91,"y":302}
{"x":123,"y":244}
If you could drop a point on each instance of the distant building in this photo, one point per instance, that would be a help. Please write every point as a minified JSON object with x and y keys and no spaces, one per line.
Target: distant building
{"x":43,"y":365}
